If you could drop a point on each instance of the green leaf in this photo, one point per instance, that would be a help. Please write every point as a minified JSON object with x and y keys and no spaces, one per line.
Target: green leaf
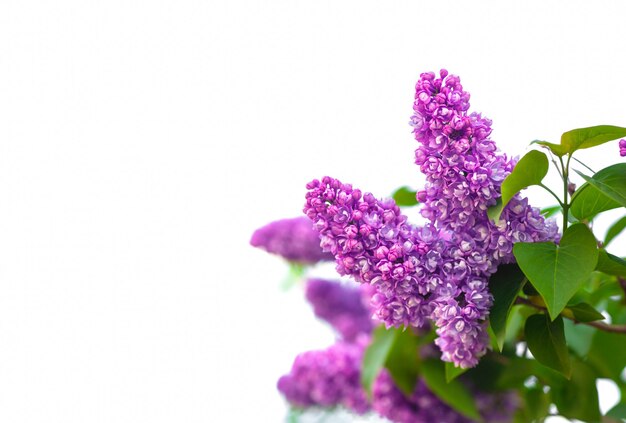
{"x":615,"y":229}
{"x":578,"y":398}
{"x":606,"y":354}
{"x":504,"y":285}
{"x":557,"y":272}
{"x":405,"y":197}
{"x":619,"y":411}
{"x":580,"y":138}
{"x":376,"y":355}
{"x":403,"y":361}
{"x":588,"y":201}
{"x":610,"y":264}
{"x":557,"y":149}
{"x":579,"y":337}
{"x":550,"y":211}
{"x":582,"y":313}
{"x":454,"y":393}
{"x":294,"y":277}
{"x":611,"y":181}
{"x":546,"y":340}
{"x":530,"y":170}
{"x":537,"y":404}
{"x":452,"y":372}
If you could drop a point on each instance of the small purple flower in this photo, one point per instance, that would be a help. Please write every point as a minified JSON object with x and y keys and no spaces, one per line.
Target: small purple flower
{"x":346,"y":308}
{"x":622,"y":147}
{"x":293,"y":239}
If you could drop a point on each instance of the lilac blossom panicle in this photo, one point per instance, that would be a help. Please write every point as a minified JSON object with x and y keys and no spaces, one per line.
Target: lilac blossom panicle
{"x":345,"y":308}
{"x":437,"y":272}
{"x":327,"y":378}
{"x":294,"y":239}
{"x":622,"y":147}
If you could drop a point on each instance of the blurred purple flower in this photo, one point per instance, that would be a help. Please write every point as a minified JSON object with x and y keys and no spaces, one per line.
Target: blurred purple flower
{"x":294,"y":239}
{"x":622,"y":147}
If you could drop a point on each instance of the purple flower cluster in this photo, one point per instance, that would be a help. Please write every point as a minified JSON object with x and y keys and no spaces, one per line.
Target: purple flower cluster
{"x":293,"y":239}
{"x":331,"y":377}
{"x":346,"y":308}
{"x":438,"y":272}
{"x":622,"y":147}
{"x":327,"y":378}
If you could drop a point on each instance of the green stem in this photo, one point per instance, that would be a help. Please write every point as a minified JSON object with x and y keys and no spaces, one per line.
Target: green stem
{"x":565,"y":204}
{"x":553,"y":194}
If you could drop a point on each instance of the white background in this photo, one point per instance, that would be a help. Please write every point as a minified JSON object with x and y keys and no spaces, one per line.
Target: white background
{"x":143,"y":141}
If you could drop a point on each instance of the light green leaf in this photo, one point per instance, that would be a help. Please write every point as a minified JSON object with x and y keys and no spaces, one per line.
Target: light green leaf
{"x":582,"y":312}
{"x":557,"y":272}
{"x":580,"y":138}
{"x":405,"y":197}
{"x":546,"y":340}
{"x":550,"y":211}
{"x":504,"y":285}
{"x":615,"y":229}
{"x":530,"y":170}
{"x":376,"y":355}
{"x":454,"y":393}
{"x":579,"y":337}
{"x":611,"y":181}
{"x":557,"y":149}
{"x":610,"y":264}
{"x":588,"y":201}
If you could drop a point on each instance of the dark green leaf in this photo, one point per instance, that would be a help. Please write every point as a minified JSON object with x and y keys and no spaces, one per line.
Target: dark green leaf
{"x":454,"y":393}
{"x":452,"y":372}
{"x":615,"y":229}
{"x":588,"y":201}
{"x":403,"y":361}
{"x":579,"y":337}
{"x":376,"y":354}
{"x":537,"y":404}
{"x":582,"y":313}
{"x":546,"y":340}
{"x":619,"y":411}
{"x":610,"y":264}
{"x":550,"y":211}
{"x":504,"y":285}
{"x":580,"y":138}
{"x":557,"y":149}
{"x":557,"y":272}
{"x":578,"y":399}
{"x":405,"y":197}
{"x":607,"y":354}
{"x":611,"y":181}
{"x":530,"y":170}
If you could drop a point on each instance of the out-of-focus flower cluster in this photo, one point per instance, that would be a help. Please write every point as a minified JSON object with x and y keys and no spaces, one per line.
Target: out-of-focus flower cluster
{"x":439,"y":271}
{"x":332,"y":377}
{"x":293,"y":239}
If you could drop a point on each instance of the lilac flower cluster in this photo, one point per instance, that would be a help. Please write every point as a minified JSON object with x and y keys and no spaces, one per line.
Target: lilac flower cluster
{"x":438,"y":272}
{"x":622,"y":147}
{"x":327,"y":378}
{"x":330,"y":378}
{"x":293,"y":239}
{"x":346,"y":308}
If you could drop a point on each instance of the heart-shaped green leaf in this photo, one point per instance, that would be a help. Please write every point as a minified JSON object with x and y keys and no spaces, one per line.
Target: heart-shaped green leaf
{"x":504,"y":285}
{"x":580,"y":138}
{"x":546,"y":340}
{"x":558,"y":271}
{"x":588,"y":201}
{"x":530,"y":170}
{"x":453,"y":393}
{"x":611,"y":181}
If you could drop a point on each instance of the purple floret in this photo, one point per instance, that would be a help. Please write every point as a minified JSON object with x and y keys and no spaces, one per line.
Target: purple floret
{"x":622,"y":147}
{"x":346,"y":308}
{"x":294,"y":239}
